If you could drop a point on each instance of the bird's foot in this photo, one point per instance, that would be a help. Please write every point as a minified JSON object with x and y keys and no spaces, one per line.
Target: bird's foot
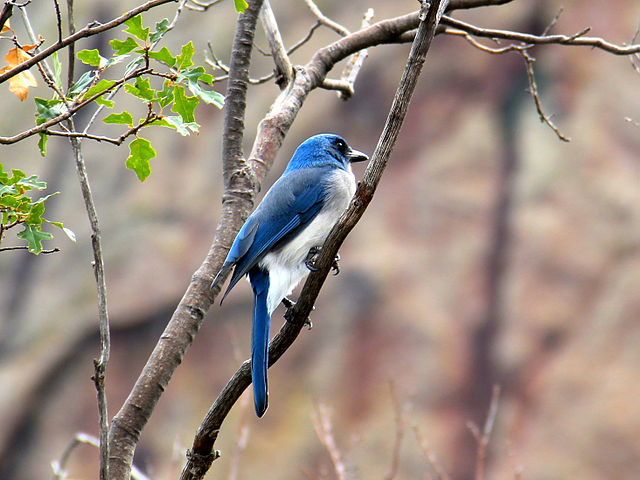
{"x":288,"y":315}
{"x":312,"y":257}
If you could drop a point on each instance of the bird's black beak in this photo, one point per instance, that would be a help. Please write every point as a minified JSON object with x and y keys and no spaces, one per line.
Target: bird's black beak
{"x":356,"y":156}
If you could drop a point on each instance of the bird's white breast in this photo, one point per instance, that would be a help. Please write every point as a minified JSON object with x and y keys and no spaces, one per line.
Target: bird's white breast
{"x":286,"y":265}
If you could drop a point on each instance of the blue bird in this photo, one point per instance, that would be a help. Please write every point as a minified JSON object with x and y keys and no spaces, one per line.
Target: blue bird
{"x":290,"y":224}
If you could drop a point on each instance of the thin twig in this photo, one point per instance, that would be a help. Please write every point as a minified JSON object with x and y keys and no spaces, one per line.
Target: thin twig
{"x":577,"y":39}
{"x":326,"y":21}
{"x":81,"y":438}
{"x":304,"y":39}
{"x":323,"y":427}
{"x":355,"y":62}
{"x":483,"y":438}
{"x":400,"y":428}
{"x":201,"y":6}
{"x":430,"y":456}
{"x":24,"y":247}
{"x":56,"y":6}
{"x":533,"y":87}
{"x":100,"y":363}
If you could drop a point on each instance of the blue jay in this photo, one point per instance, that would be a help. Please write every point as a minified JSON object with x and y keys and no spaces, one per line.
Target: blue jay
{"x":275,"y":244}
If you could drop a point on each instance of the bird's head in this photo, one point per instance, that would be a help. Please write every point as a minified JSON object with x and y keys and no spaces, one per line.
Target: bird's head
{"x":323,"y":150}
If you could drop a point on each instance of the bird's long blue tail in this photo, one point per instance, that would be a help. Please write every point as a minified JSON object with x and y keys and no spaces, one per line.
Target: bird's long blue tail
{"x":260,"y":339}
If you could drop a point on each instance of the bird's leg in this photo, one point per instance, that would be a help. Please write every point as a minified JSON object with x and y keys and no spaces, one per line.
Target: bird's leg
{"x":289,"y":304}
{"x":312,"y":256}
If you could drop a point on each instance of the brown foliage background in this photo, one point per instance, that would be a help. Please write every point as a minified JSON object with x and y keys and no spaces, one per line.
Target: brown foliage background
{"x":440,"y":291}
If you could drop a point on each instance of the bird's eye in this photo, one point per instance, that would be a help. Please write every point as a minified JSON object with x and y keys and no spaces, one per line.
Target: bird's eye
{"x":341,"y":145}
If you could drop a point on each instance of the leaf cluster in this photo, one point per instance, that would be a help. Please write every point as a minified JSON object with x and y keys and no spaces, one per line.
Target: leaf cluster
{"x":18,"y":209}
{"x":171,"y":105}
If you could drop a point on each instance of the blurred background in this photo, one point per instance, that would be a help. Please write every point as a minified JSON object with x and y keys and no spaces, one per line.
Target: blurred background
{"x":492,"y":253}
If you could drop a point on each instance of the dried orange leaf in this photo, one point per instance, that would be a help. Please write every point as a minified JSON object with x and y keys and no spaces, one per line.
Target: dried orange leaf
{"x":19,"y":84}
{"x":6,"y":27}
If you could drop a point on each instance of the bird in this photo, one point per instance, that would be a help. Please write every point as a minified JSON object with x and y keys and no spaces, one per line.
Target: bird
{"x":276,"y":242}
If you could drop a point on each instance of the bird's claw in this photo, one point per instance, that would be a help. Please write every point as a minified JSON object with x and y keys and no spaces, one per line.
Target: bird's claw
{"x":312,"y":256}
{"x":335,"y":265}
{"x":288,"y":315}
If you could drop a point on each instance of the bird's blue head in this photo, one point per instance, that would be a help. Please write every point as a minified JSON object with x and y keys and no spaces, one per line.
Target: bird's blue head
{"x":323,"y":150}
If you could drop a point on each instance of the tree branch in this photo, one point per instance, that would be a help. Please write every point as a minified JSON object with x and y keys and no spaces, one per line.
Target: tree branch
{"x":185,"y":322}
{"x":284,"y":70}
{"x":200,"y":457}
{"x":577,"y":39}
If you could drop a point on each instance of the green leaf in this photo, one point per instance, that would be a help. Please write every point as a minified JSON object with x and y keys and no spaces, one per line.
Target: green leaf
{"x":165,"y":96}
{"x":35,"y":215}
{"x":134,"y":27}
{"x":57,"y":69}
{"x":67,"y":231}
{"x":206,"y":78}
{"x":100,"y":87}
{"x":91,"y":57}
{"x":184,"y":59}
{"x":119,"y":118}
{"x":34,"y":235}
{"x":47,"y":109}
{"x":241,"y":5}
{"x":31,"y":182}
{"x":45,"y":198}
{"x":42,"y":144}
{"x":207,"y":96}
{"x":17,"y":175}
{"x":122,"y":48}
{"x":184,"y":105}
{"x":161,"y":28}
{"x":82,"y":83}
{"x":140,"y":152}
{"x":141,"y":89}
{"x":164,"y":55}
{"x":7,"y":190}
{"x":182,"y":127}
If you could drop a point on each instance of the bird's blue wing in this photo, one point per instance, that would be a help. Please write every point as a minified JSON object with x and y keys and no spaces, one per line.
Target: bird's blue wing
{"x":289,"y":206}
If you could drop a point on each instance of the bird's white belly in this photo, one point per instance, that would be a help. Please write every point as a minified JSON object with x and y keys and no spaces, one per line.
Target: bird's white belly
{"x":286,"y":266}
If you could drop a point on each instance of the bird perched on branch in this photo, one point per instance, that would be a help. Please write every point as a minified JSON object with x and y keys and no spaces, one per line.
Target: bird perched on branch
{"x":276,"y":243}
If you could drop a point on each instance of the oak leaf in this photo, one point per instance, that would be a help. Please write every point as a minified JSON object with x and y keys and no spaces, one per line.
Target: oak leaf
{"x":20,"y":83}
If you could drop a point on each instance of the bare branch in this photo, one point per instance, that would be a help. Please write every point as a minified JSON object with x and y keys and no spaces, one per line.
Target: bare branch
{"x":321,"y":419}
{"x":400,"y":428}
{"x":429,"y":456}
{"x":577,"y":39}
{"x":201,"y":6}
{"x":284,"y":70}
{"x":464,"y":4}
{"x":304,"y":39}
{"x":533,"y":87}
{"x":100,"y":363}
{"x":24,"y":247}
{"x":482,"y":438}
{"x":351,"y":70}
{"x":326,"y":21}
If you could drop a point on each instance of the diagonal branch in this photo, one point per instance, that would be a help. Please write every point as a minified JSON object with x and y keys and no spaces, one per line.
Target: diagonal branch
{"x":201,"y":456}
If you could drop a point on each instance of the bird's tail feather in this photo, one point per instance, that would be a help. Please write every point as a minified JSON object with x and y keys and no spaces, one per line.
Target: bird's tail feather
{"x":260,"y":340}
